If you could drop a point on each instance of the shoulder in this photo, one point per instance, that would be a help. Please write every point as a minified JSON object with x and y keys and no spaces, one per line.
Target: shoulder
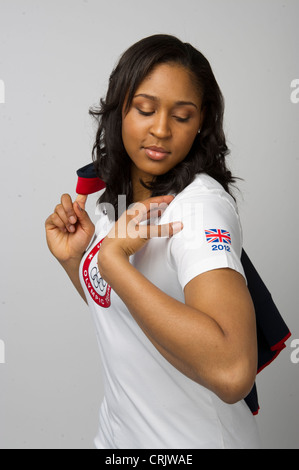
{"x":212,"y":235}
{"x":204,"y":191}
{"x":209,"y":215}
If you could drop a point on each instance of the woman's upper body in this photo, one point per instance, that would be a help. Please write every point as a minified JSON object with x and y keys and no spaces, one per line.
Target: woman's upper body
{"x":165,"y":120}
{"x":185,"y":301}
{"x":150,"y":400}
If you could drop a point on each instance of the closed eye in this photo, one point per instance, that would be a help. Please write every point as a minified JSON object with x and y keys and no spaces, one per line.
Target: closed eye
{"x":144,"y":113}
{"x":150,"y":113}
{"x":179,"y":119}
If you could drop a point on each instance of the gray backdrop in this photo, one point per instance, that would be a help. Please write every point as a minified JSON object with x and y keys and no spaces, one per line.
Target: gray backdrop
{"x":55,"y":61}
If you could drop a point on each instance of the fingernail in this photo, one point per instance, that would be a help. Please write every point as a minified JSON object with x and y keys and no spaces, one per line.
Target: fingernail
{"x":177,"y":226}
{"x":72,"y":220}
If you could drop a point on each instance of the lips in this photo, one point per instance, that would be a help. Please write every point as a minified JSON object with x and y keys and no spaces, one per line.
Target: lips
{"x":156,"y":153}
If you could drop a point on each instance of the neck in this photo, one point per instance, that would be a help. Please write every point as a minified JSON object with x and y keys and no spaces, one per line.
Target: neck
{"x":140,"y":193}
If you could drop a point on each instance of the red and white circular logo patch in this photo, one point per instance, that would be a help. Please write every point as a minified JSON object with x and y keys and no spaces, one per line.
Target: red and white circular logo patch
{"x":97,"y":287}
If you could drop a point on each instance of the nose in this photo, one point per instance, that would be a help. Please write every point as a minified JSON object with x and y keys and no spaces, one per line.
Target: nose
{"x":160,"y":127}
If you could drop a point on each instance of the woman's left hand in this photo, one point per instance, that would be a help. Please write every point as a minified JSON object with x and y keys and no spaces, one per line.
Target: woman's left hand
{"x":127,"y":237}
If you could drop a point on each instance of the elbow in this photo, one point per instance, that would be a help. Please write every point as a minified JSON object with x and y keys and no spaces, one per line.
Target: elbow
{"x":235,"y":384}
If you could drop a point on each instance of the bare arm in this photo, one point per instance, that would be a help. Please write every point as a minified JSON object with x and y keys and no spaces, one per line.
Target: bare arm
{"x":69,"y":231}
{"x":72,"y":270}
{"x":211,"y":339}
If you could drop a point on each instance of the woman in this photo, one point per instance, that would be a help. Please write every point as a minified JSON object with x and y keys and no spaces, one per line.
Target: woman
{"x":175,"y":321}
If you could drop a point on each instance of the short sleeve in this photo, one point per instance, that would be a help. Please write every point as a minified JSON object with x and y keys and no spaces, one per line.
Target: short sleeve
{"x":211,"y":237}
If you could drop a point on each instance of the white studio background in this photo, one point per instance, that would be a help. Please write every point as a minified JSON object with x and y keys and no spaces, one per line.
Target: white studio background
{"x":55,"y":60}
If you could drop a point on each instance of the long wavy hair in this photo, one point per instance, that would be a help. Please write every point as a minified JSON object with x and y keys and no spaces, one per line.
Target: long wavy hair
{"x":111,"y":161}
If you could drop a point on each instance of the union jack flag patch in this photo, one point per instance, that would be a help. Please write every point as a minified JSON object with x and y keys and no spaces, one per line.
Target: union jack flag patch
{"x":216,"y":235}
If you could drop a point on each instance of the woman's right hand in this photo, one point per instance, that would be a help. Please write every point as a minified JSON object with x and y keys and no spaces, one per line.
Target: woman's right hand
{"x":69,"y":229}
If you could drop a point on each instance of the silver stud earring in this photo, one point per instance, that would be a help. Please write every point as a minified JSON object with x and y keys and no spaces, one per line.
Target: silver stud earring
{"x":198,"y":132}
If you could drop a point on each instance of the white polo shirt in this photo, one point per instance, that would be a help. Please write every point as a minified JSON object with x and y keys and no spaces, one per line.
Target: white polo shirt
{"x":148,"y":403}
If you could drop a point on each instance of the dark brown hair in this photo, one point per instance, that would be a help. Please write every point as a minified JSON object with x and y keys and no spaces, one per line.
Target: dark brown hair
{"x":112,"y":164}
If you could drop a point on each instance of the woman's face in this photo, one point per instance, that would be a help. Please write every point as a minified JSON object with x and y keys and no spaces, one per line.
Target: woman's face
{"x":160,"y":127}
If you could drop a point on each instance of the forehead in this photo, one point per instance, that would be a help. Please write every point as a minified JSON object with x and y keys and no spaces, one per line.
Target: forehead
{"x":171,"y":82}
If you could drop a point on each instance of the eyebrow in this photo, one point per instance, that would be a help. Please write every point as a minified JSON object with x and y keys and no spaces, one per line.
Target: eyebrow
{"x":155,"y":98}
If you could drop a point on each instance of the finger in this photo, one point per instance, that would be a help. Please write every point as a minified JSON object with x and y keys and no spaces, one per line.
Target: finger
{"x":81,"y":200}
{"x":54,"y":221}
{"x":67,"y":204}
{"x":83,"y":217}
{"x":80,"y":212}
{"x":61,"y":212}
{"x":165,"y":198}
{"x":152,"y":213}
{"x":153,"y":200}
{"x":163,"y":231}
{"x":152,"y":207}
